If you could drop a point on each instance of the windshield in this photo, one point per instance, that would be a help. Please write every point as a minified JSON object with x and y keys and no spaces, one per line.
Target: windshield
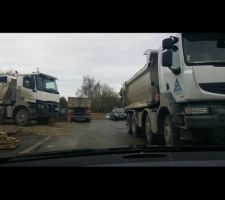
{"x":107,"y":95}
{"x":46,"y":84}
{"x":204,"y":48}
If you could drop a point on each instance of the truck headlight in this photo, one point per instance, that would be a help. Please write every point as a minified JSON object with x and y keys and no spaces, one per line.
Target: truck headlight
{"x":196,"y":110}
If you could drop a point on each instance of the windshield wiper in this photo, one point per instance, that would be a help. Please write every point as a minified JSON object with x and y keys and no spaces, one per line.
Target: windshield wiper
{"x":46,"y":155}
{"x":145,"y":155}
{"x":132,"y":151}
{"x":208,"y":62}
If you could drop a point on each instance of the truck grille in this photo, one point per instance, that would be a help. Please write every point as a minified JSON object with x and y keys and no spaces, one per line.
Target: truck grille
{"x":79,"y":111}
{"x":52,"y":107}
{"x":47,"y":106}
{"x":213,"y":87}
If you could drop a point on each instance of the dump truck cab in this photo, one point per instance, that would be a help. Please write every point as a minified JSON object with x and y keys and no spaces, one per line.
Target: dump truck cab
{"x":29,"y":96}
{"x":191,"y":79}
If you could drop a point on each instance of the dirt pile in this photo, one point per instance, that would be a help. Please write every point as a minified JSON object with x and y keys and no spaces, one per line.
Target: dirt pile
{"x":60,"y":128}
{"x":7,"y":142}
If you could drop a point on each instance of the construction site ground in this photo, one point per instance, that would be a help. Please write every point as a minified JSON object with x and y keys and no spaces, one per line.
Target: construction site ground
{"x":68,"y":135}
{"x":74,"y":135}
{"x":32,"y":137}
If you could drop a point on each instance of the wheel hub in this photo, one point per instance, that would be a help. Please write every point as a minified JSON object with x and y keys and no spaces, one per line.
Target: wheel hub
{"x":147,"y":128}
{"x":167,"y":134}
{"x":21,"y":118}
{"x":133,"y":125}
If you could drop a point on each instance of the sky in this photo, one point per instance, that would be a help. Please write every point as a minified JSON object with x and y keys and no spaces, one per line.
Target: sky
{"x":110,"y":58}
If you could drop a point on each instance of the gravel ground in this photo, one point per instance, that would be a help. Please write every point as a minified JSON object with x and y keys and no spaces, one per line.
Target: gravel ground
{"x":77,"y":135}
{"x":32,"y":134}
{"x":25,"y":142}
{"x":95,"y":134}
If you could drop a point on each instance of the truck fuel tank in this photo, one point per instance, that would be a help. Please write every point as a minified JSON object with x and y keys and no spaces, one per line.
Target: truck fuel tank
{"x":9,"y":111}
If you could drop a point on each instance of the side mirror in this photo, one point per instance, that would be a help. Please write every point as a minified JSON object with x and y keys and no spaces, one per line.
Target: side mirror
{"x":167,"y":58}
{"x":169,"y":42}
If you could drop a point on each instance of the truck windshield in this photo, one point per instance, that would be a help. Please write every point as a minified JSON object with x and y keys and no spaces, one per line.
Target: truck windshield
{"x":46,"y":84}
{"x":203,"y":48}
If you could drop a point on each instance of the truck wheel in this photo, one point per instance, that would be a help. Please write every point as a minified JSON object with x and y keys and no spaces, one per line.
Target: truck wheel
{"x":129,"y":130}
{"x":22,"y":117}
{"x":206,"y":135}
{"x":1,"y":118}
{"x":148,"y":131}
{"x":134,"y":127}
{"x":42,"y":120}
{"x":171,"y":135}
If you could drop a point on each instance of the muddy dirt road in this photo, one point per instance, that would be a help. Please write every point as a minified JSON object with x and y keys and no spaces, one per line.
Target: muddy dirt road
{"x":75,"y":135}
{"x":65,"y":135}
{"x":96,"y":134}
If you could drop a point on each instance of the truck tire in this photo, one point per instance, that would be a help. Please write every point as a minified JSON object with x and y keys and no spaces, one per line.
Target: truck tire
{"x":22,"y":117}
{"x":206,"y":135}
{"x":171,"y":136}
{"x":134,"y":127}
{"x":128,"y":124}
{"x":42,"y":120}
{"x":151,"y":137}
{"x":1,"y":118}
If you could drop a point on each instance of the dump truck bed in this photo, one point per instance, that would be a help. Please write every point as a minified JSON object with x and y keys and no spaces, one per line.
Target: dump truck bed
{"x":74,"y":102}
{"x":140,"y":90}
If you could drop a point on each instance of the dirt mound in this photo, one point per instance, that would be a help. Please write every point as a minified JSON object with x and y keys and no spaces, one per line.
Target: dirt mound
{"x":59,"y":128}
{"x":7,"y":142}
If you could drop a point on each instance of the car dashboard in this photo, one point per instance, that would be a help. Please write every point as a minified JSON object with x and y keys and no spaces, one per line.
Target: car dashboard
{"x":140,"y":159}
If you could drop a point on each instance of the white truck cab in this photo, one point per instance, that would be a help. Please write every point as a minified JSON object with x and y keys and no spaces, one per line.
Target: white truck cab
{"x":29,"y":96}
{"x":192,"y":71}
{"x":202,"y":68}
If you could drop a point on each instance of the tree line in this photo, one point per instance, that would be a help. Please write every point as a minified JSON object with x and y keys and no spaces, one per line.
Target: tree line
{"x":103,"y":97}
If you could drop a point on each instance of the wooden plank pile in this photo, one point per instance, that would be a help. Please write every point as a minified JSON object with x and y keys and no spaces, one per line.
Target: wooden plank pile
{"x":7,"y":142}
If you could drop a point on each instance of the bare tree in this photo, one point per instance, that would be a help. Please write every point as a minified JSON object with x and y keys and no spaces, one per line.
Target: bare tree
{"x":108,"y":98}
{"x":103,"y":97}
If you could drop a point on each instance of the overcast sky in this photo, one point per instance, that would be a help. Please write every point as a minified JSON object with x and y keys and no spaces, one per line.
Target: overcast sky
{"x":111,"y":58}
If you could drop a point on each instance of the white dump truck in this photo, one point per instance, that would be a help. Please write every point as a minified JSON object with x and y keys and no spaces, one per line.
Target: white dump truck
{"x":28,"y":96}
{"x":179,"y":91}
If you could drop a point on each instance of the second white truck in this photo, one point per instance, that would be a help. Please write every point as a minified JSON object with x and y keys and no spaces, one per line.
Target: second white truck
{"x":180,"y":90}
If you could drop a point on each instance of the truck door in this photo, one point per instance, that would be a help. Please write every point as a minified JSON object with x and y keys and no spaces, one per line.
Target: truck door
{"x":170,"y":81}
{"x":28,"y":89}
